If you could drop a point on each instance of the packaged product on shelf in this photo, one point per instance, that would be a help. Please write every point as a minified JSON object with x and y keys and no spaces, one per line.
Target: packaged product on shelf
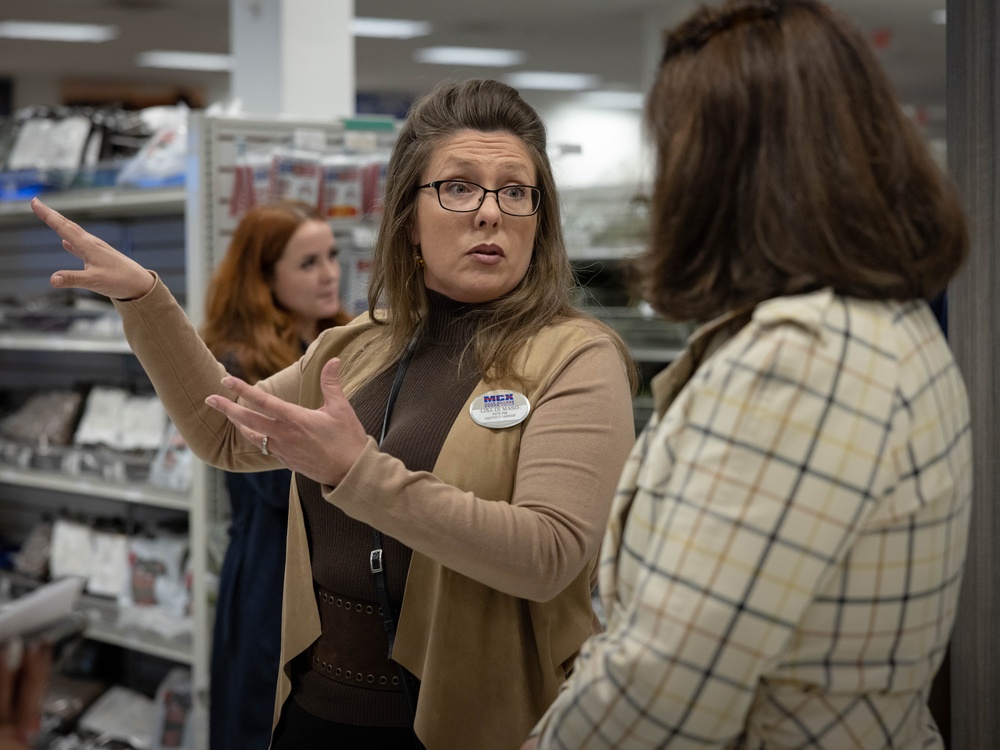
{"x":157,"y":574}
{"x":162,"y":160}
{"x":174,"y":711}
{"x":108,"y":564}
{"x":295,"y":175}
{"x":46,"y":418}
{"x":66,"y":699}
{"x":172,"y":466}
{"x":118,"y":419}
{"x":251,"y":181}
{"x":101,"y":326}
{"x":373,"y":184}
{"x":50,"y":144}
{"x":341,"y":196}
{"x":33,"y":558}
{"x":121,"y":714}
{"x":46,"y":148}
{"x":72,"y":549}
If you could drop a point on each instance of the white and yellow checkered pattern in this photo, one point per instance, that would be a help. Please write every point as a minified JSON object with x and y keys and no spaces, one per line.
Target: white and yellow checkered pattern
{"x":786,"y":547}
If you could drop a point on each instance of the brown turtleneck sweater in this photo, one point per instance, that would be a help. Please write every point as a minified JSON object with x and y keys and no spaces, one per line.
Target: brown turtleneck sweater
{"x":432,"y":393}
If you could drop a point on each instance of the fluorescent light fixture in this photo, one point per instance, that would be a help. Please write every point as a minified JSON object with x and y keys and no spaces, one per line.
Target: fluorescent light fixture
{"x":613,"y":99}
{"x":939,"y":17}
{"x":57,"y":32}
{"x":472,"y":56}
{"x":158,"y":58}
{"x":389,"y":28}
{"x":534,"y":79}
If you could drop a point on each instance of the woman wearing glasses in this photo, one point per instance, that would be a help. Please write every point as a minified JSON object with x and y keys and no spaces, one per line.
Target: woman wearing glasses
{"x":455,"y":452}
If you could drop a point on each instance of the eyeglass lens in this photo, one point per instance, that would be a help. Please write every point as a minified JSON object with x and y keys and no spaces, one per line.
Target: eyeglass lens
{"x":517,"y":200}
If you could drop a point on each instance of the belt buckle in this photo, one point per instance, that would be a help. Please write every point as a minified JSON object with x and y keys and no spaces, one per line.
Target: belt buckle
{"x":375,"y":560}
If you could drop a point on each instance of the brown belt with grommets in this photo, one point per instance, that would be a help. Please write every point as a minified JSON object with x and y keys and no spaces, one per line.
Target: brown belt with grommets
{"x":353,"y":648}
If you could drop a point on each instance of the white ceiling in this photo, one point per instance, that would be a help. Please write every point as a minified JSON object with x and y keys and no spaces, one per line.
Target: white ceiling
{"x":603,"y":37}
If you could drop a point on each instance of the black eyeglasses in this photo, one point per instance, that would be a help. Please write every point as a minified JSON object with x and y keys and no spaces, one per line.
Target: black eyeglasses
{"x":461,"y":196}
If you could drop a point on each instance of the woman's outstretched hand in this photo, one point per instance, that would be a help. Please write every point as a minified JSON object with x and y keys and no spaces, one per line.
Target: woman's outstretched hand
{"x":105,"y":270}
{"x":321,"y":444}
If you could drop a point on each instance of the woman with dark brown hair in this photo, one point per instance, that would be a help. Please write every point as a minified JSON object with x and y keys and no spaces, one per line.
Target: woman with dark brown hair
{"x":275,"y":290}
{"x":785,"y":551}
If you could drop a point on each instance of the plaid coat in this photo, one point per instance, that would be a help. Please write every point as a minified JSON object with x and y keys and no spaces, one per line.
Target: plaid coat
{"x":785,"y":552}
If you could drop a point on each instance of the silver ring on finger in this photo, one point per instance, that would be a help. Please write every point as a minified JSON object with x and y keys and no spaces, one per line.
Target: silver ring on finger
{"x":263,"y":446}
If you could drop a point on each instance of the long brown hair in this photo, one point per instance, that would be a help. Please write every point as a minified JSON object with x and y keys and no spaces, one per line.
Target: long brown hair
{"x":242,"y":317}
{"x":786,"y":164}
{"x":542,"y":297}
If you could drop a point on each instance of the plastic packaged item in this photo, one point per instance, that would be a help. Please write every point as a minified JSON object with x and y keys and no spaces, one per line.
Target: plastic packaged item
{"x":172,"y":466}
{"x":108,"y":564}
{"x":156,"y":574}
{"x":162,"y":160}
{"x":251,"y":182}
{"x":45,"y":419}
{"x":72,"y":549}
{"x":33,"y":559}
{"x":121,"y":713}
{"x":115,"y":418}
{"x":173,"y":705}
{"x":296,"y":175}
{"x":341,"y":194}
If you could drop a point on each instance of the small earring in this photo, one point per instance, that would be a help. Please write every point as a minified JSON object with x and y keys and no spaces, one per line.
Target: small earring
{"x":418,"y":259}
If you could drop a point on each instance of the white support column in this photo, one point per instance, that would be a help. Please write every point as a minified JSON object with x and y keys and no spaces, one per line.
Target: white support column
{"x":293,"y":57}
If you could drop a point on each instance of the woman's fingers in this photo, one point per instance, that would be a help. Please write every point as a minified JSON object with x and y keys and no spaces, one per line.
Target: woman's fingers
{"x":55,"y":220}
{"x":256,"y":415}
{"x":105,"y":270}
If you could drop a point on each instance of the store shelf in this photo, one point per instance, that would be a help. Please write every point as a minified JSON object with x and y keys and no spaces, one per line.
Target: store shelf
{"x":129,"y":493}
{"x":103,"y":615}
{"x":97,"y":202}
{"x":49,"y":342}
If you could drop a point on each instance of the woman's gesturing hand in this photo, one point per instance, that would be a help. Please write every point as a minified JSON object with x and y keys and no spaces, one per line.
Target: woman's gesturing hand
{"x":321,"y":444}
{"x":105,"y":270}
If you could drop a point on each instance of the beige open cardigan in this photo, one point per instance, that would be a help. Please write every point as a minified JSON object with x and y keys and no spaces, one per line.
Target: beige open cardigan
{"x":491,"y":644}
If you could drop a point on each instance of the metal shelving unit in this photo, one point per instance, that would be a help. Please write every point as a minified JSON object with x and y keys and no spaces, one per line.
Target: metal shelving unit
{"x":150,"y":225}
{"x":181,"y":233}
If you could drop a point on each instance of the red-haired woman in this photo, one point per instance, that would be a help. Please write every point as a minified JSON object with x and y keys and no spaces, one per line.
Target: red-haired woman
{"x":276,"y":288}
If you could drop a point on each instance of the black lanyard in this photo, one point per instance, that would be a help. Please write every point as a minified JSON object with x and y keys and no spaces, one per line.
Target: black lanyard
{"x":375,"y":559}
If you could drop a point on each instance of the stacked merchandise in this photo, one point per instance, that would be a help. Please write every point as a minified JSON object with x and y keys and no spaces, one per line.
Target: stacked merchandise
{"x":109,"y":434}
{"x":147,"y":575}
{"x":342,"y":186}
{"x":56,"y":148}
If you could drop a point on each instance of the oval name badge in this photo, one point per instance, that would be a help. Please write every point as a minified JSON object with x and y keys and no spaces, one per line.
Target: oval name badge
{"x":499,"y":409}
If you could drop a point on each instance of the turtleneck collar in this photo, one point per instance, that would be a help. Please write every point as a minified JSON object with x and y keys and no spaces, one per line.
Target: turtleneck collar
{"x":448,"y":321}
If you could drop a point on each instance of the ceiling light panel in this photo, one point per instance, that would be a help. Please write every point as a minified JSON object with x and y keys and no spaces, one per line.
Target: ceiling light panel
{"x":470,"y":56}
{"x":389,"y":28}
{"x":57,"y":32}
{"x":613,"y":99}
{"x":158,"y":58}
{"x":546,"y":81}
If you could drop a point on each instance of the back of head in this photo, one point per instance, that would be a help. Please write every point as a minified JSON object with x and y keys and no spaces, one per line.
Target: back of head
{"x":786,"y":164}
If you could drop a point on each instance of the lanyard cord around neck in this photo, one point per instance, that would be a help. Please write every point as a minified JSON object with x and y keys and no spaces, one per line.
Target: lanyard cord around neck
{"x":375,"y":559}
